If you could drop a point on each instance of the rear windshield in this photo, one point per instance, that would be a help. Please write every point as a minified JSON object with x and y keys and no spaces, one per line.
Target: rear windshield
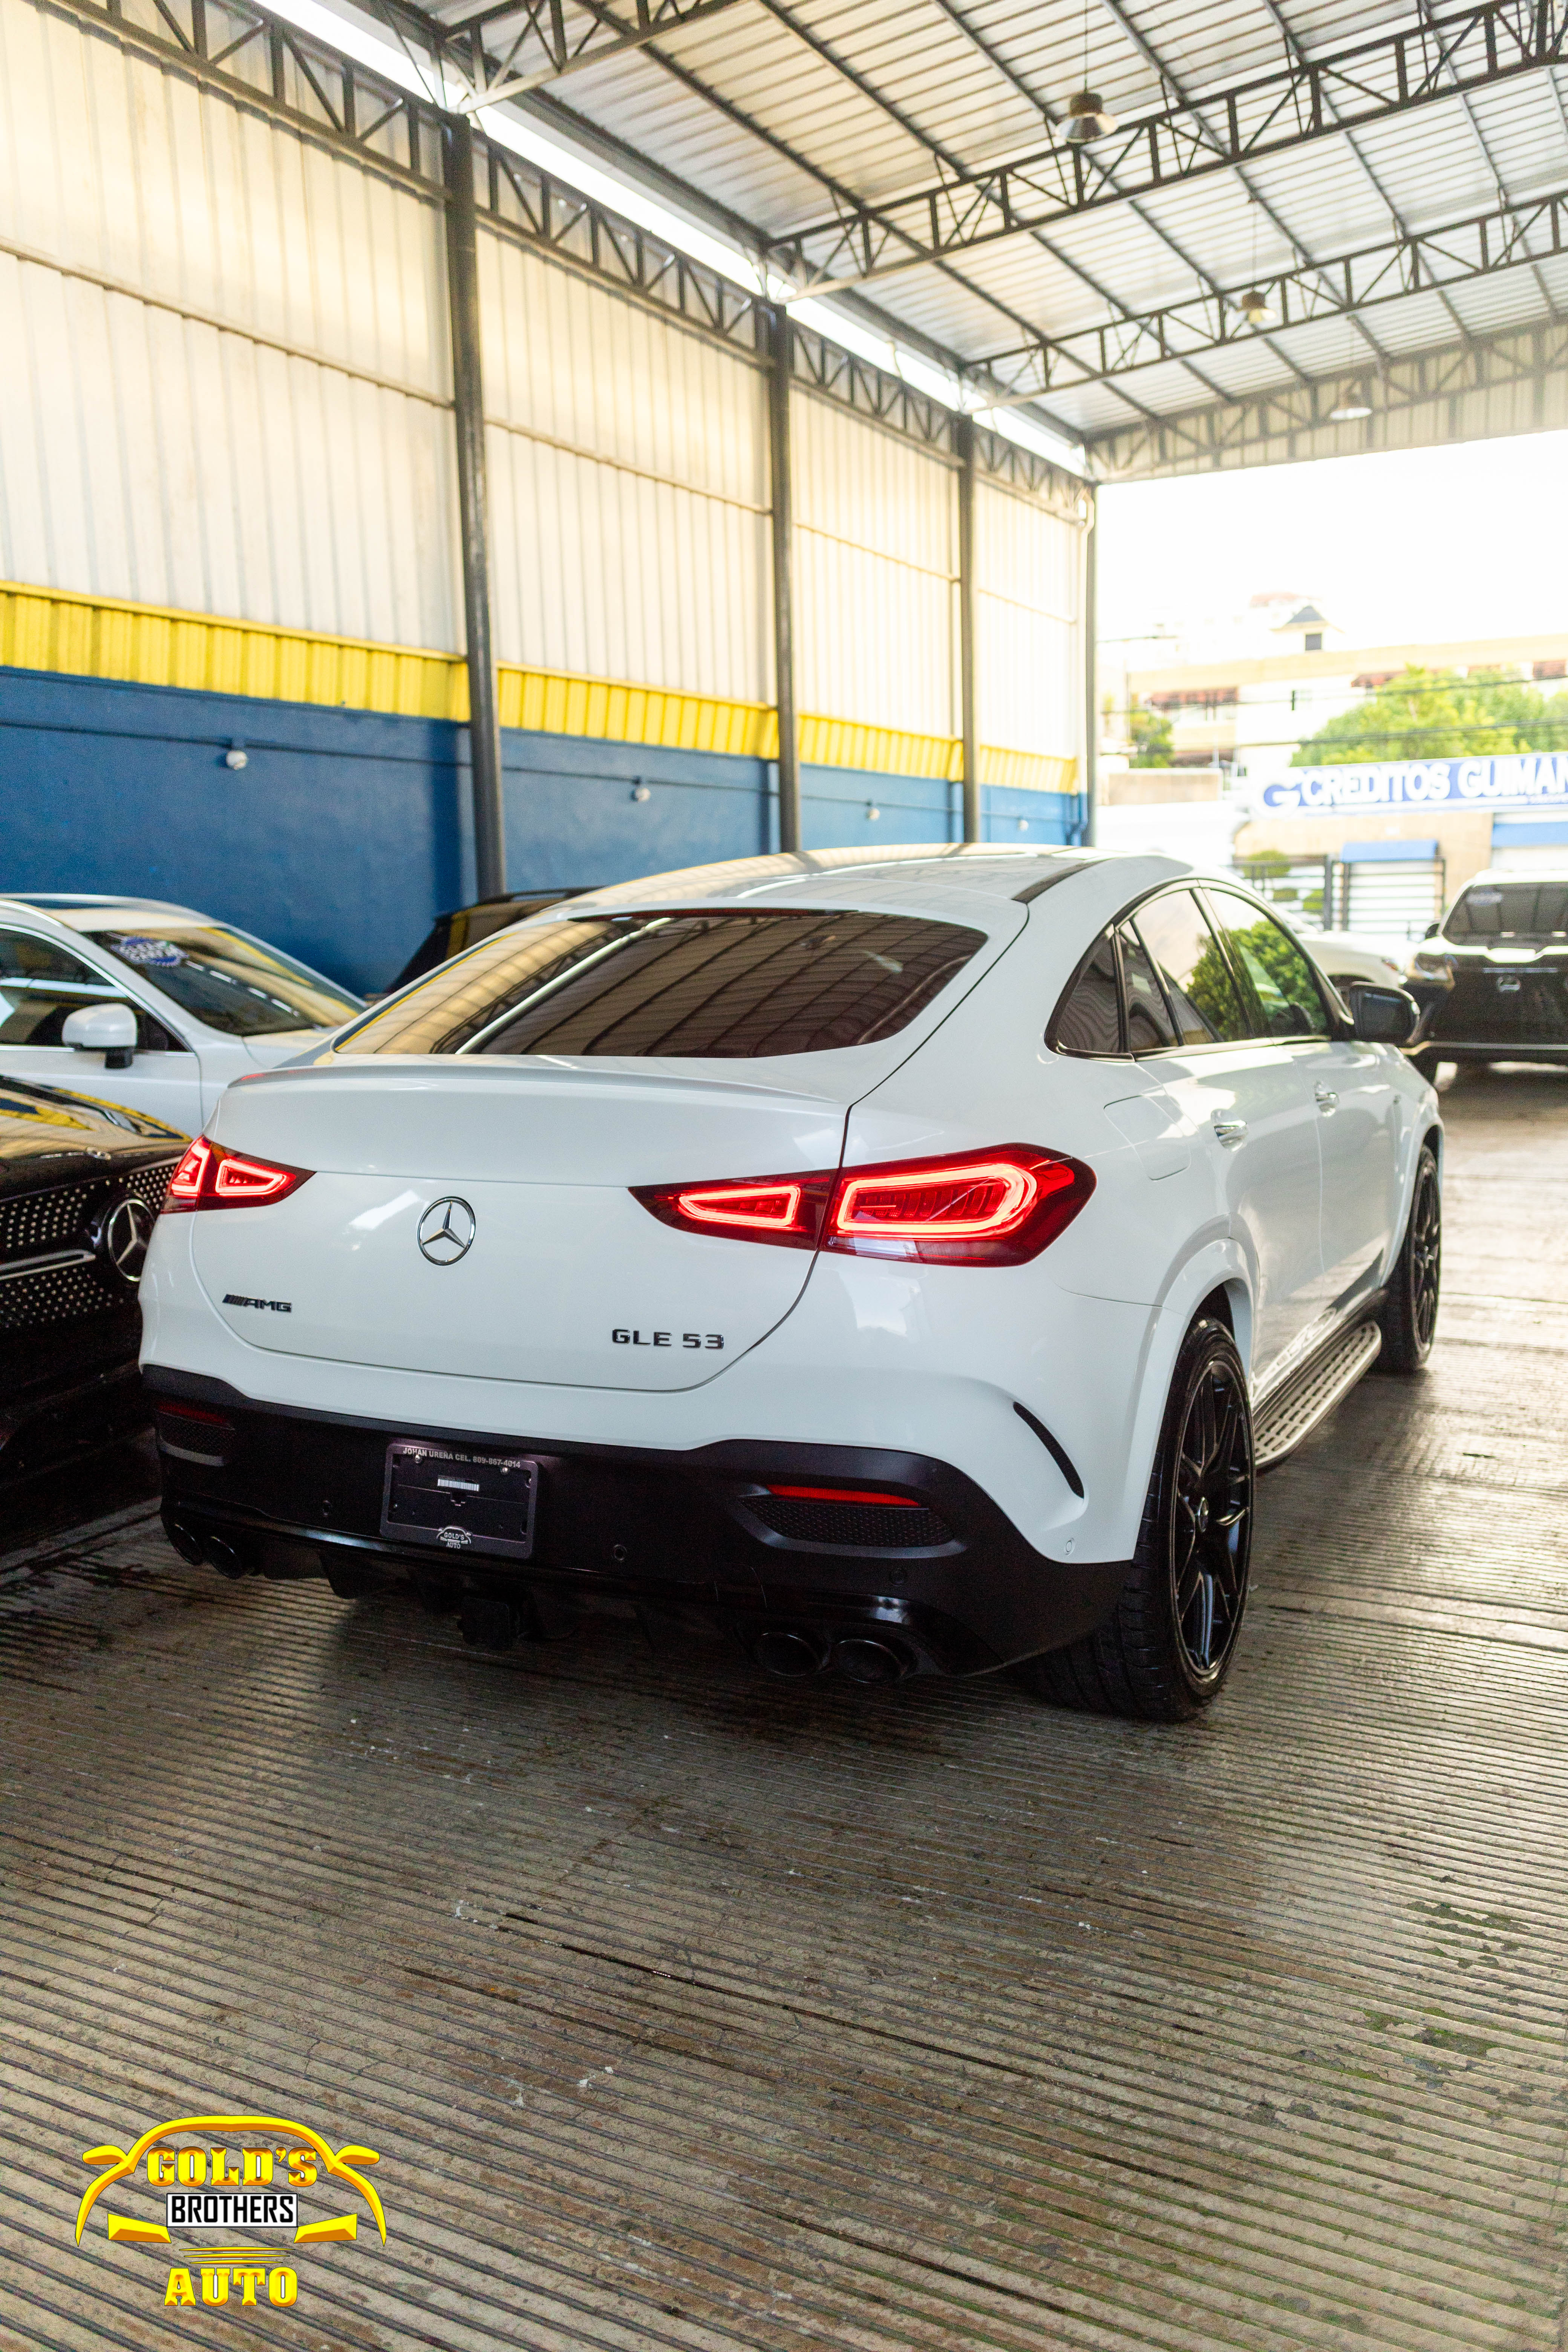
{"x":231,"y":983}
{"x":728,"y":986}
{"x":1510,"y":910}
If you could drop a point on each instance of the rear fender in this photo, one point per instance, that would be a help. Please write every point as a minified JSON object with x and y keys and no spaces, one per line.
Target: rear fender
{"x":1218,"y":1265}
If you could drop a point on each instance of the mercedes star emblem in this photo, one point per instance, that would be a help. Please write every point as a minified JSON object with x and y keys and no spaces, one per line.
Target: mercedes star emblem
{"x":447,"y":1230}
{"x":123,"y":1237}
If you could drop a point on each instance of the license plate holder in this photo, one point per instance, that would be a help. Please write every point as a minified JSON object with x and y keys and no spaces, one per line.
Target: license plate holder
{"x":461,"y":1500}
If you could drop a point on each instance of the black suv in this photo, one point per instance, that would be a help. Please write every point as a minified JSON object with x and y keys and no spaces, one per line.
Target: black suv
{"x":1500,"y":956}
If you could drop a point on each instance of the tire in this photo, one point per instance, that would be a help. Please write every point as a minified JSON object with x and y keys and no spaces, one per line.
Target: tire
{"x":1409,"y":1318}
{"x":1164,"y":1654}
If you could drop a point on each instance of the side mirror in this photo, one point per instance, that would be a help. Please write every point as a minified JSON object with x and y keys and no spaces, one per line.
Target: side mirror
{"x":106,"y":1029}
{"x":1384,"y":1016}
{"x":1431,"y":930}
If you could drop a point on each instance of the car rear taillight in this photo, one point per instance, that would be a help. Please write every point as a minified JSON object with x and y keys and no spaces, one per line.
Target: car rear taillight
{"x":967,"y":1208}
{"x":847,"y":1495}
{"x":782,"y":1209}
{"x":209,"y":1177}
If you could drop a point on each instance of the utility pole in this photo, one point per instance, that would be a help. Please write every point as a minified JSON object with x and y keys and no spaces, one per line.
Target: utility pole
{"x":965,"y":438}
{"x":780,"y":337}
{"x":473,"y":508}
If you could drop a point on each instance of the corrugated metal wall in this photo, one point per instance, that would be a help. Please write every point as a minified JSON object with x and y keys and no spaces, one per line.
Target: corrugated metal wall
{"x":876,"y":561}
{"x":236,"y":404}
{"x":1028,"y":568}
{"x":226,"y":391}
{"x":628,"y":473}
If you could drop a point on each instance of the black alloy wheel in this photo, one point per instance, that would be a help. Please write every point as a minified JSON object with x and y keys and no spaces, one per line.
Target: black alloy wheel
{"x":1210,"y":1531}
{"x":1409,"y":1316}
{"x":1168,"y":1647}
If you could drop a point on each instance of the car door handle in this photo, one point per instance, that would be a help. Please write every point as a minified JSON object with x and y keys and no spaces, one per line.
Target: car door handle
{"x":1229,"y":1131}
{"x":1327,"y":1098}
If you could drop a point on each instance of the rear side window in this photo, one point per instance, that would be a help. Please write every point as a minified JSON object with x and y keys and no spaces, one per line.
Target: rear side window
{"x":1518,"y":910}
{"x":1150,"y":1029}
{"x":1203,"y":995}
{"x":1088,"y":1020}
{"x":1289,"y":1000}
{"x":725,"y":986}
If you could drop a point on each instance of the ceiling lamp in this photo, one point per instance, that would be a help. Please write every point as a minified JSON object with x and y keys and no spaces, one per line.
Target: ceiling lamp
{"x":1087,"y":119}
{"x":1254,"y":306}
{"x":1352,"y":402}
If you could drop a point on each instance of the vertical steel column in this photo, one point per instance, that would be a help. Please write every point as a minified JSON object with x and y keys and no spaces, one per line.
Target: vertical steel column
{"x":781,"y":337}
{"x":968,"y":609}
{"x":473,"y":508}
{"x":1090,"y":673}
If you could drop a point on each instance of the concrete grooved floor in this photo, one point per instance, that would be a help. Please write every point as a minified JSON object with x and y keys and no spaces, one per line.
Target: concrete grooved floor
{"x":690,"y":2010}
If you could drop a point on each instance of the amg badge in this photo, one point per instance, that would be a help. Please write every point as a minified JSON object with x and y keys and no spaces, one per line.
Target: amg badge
{"x":271,"y":1305}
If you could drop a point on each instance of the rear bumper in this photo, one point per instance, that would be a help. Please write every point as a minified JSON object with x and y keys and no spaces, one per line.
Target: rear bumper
{"x":623,"y":1529}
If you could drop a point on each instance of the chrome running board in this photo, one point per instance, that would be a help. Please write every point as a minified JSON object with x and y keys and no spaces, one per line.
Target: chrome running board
{"x":1311,"y":1394}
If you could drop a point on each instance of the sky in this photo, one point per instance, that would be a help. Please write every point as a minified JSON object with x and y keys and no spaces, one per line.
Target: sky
{"x":1463,"y":541}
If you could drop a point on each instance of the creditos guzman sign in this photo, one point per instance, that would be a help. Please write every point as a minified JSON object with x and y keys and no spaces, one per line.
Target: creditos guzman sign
{"x":231,"y":2199}
{"x":1523,"y":779}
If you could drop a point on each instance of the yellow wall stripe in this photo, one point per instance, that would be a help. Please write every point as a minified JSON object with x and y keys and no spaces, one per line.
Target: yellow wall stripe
{"x":141,"y":644}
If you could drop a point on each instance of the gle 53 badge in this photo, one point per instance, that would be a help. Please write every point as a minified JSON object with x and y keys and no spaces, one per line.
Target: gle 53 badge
{"x":236,"y":2199}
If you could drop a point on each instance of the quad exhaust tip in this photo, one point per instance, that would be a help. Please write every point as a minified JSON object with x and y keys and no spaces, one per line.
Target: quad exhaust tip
{"x":793,"y":1652}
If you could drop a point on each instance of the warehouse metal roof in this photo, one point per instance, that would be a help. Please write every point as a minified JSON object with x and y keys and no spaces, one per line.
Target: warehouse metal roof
{"x":1388,"y":180}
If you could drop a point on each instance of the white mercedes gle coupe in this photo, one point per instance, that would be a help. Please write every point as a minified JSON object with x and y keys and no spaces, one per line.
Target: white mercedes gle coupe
{"x":901,"y":1262}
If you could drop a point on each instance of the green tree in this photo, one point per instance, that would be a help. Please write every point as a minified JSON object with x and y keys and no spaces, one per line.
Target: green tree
{"x":1435,"y":714}
{"x":1153,"y":746}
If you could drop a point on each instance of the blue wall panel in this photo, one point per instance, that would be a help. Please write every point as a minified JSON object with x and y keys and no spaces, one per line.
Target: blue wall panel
{"x":347,"y":832}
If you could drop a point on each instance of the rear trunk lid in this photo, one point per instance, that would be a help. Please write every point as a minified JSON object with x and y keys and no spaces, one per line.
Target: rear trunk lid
{"x":564,"y":1278}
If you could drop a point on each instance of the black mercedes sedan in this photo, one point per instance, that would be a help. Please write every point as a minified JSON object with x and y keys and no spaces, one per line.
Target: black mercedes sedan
{"x":80,"y":1184}
{"x":1500,"y":958}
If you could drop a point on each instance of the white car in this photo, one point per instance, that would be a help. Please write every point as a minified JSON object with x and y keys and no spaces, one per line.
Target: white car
{"x":1350,"y":961}
{"x":900,"y":1261}
{"x":152,"y":1006}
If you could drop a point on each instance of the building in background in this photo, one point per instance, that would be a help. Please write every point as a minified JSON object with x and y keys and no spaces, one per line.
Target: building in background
{"x":1381,"y":847}
{"x":1247,"y":711}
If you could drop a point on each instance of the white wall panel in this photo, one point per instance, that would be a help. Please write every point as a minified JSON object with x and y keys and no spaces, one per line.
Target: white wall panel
{"x":148,"y":456}
{"x":628,"y":467}
{"x":1027,"y":665}
{"x":226,"y":389}
{"x":151,"y":446}
{"x":109,"y":163}
{"x":876,"y":557}
{"x":603,"y":571}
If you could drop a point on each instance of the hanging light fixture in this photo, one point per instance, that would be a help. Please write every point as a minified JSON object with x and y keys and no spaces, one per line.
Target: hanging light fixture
{"x":1254,"y":306}
{"x":1088,"y":118}
{"x":1352,"y":402}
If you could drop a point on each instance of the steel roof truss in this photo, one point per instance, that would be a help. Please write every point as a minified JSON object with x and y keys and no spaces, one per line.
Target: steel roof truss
{"x":547,"y":39}
{"x":1224,"y":434}
{"x":1305,"y":100}
{"x":1510,"y":237}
